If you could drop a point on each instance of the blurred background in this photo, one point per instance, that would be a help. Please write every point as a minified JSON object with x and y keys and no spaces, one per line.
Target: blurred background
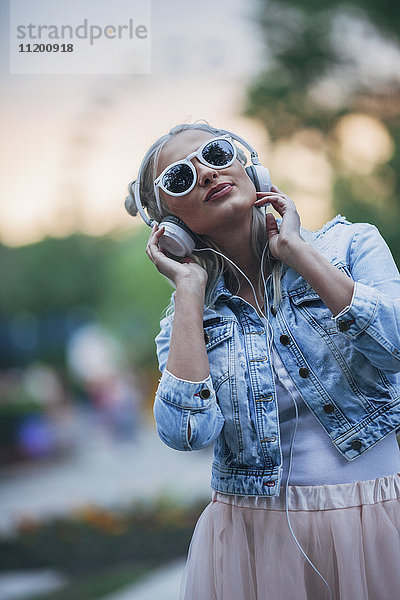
{"x":92,"y":505}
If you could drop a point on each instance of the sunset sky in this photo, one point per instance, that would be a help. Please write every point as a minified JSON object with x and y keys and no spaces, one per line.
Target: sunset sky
{"x":70,"y":144}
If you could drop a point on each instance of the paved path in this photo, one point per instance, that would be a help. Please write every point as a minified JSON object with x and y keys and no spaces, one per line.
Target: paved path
{"x":103,"y":472}
{"x":108,"y":474}
{"x":21,"y":585}
{"x":163,"y":584}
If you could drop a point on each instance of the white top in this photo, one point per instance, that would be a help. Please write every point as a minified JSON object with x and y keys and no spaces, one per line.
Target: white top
{"x":325,"y":465}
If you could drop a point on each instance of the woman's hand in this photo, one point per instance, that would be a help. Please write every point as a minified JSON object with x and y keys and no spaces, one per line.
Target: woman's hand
{"x":185,"y":274}
{"x":283,"y":242}
{"x":333,"y":286}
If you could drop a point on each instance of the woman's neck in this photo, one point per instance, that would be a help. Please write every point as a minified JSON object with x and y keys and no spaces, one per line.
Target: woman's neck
{"x":250,"y":265}
{"x":245,"y":258}
{"x":238,"y":248}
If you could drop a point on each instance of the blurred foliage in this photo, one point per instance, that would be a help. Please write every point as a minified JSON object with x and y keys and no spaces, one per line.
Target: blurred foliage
{"x":94,"y":538}
{"x":53,"y":275}
{"x":96,"y":586}
{"x":55,"y":285}
{"x":12,"y":411}
{"x":304,"y":46}
{"x":385,"y":15}
{"x":314,"y":76}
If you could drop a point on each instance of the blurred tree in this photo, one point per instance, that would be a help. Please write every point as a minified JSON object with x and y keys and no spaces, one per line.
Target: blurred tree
{"x":53,"y":275}
{"x":52,"y":286}
{"x":329,"y":64}
{"x":135,"y":296}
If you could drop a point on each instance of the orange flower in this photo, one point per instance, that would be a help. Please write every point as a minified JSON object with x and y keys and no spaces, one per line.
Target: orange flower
{"x":27,"y":525}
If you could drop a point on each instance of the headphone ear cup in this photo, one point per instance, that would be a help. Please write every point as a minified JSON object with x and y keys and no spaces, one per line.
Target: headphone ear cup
{"x":177,"y":238}
{"x":260,"y":177}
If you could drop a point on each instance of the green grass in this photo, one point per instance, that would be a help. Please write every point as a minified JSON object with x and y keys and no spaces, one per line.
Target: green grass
{"x":97,"y":585}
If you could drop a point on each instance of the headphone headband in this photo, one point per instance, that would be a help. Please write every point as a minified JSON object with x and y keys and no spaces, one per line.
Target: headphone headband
{"x":238,"y":138}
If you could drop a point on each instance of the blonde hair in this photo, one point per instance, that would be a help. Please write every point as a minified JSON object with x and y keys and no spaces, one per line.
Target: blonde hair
{"x":214,"y":264}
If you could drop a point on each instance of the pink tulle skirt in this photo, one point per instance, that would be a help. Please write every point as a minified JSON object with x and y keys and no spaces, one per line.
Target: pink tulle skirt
{"x":242,"y":548}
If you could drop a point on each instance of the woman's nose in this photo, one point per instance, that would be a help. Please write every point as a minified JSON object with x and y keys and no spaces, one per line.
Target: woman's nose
{"x":205,"y":174}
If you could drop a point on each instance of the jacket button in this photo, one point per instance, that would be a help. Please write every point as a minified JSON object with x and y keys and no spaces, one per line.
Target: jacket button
{"x":284,"y":339}
{"x":356,"y":444}
{"x":273,"y":310}
{"x":304,"y":372}
{"x":204,"y":393}
{"x":329,"y":408}
{"x":206,"y":337}
{"x":344,"y":326}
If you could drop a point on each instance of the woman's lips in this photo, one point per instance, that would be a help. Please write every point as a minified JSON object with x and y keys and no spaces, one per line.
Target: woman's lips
{"x":221,"y":190}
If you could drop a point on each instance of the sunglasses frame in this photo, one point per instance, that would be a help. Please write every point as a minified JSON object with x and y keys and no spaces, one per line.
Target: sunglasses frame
{"x":187,"y":161}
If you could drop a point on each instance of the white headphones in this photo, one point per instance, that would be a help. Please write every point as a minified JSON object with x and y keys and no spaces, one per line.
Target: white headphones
{"x":177,"y":238}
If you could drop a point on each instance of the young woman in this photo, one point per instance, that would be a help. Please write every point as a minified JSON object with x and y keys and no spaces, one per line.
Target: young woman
{"x":282,"y":348}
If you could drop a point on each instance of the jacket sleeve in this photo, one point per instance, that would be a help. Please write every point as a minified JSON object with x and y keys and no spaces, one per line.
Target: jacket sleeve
{"x":372,"y":320}
{"x":179,"y":402}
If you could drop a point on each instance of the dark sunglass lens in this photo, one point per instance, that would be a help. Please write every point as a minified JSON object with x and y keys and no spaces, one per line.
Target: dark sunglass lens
{"x":178,"y":179}
{"x":218,"y":153}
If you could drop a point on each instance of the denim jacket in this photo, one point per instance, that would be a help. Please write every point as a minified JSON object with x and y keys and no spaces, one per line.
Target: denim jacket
{"x":346,"y":367}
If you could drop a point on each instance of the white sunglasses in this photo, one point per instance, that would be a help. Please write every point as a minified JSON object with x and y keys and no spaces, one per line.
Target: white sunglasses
{"x":180,"y":177}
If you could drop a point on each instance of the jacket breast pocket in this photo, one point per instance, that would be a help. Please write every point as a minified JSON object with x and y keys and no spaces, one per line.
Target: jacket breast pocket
{"x":218,"y":338}
{"x":311,"y":307}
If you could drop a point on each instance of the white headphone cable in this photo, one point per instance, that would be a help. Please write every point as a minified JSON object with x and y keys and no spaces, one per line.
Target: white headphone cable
{"x":287,"y":501}
{"x":266,"y":310}
{"x":265,"y":315}
{"x":240,"y":271}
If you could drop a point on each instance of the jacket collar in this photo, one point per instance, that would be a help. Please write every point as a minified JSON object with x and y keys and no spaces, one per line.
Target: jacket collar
{"x":294,"y":281}
{"x":220,"y":291}
{"x":337,"y":219}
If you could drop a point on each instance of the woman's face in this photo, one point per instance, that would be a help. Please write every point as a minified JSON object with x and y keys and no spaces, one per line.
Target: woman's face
{"x":203,"y":213}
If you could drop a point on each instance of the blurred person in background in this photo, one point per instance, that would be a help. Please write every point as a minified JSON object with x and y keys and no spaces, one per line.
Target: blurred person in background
{"x":95,"y":358}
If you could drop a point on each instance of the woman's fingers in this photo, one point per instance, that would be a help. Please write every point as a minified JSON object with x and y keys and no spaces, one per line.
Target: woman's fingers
{"x":282,"y":205}
{"x":279,"y":201}
{"x":272,"y":226}
{"x":156,"y":234}
{"x":274,"y":193}
{"x":289,"y":227}
{"x":153,"y":250}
